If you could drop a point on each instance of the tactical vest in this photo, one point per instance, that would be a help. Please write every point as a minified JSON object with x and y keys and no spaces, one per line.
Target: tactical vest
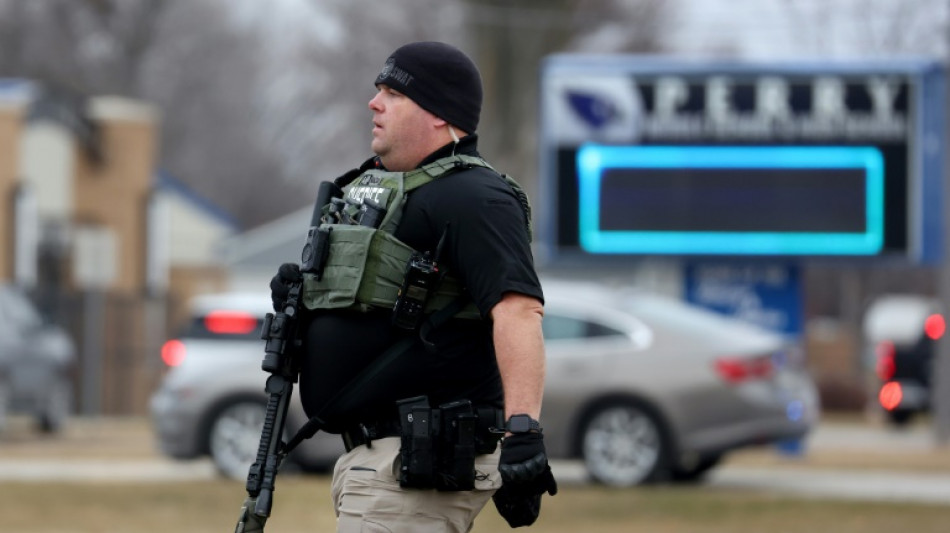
{"x":366,"y":266}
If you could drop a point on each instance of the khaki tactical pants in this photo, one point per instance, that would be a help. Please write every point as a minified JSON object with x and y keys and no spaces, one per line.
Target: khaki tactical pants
{"x":368,"y":499}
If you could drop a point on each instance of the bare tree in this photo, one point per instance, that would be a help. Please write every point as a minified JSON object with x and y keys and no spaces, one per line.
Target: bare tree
{"x":180,"y":55}
{"x":630,"y":26}
{"x":868,"y":28}
{"x":204,"y":74}
{"x":511,"y":40}
{"x":90,"y":45}
{"x":315,"y":83}
{"x":262,"y":100}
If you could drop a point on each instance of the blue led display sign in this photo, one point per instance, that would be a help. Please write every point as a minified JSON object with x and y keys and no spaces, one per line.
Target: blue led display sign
{"x":648,"y":156}
{"x":730,"y":200}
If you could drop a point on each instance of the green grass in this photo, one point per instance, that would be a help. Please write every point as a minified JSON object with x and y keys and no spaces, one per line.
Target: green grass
{"x":302,"y":505}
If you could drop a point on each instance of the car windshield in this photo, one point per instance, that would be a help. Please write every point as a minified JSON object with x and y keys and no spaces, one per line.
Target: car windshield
{"x":670,"y":315}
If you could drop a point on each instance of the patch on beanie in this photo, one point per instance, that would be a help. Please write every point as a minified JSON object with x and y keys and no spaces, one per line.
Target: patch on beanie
{"x":390,"y":70}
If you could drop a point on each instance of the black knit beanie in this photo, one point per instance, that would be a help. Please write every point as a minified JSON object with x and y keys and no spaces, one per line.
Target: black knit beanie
{"x":438,"y":77}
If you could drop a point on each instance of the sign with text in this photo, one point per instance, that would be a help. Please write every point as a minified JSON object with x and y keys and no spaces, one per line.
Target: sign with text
{"x":647,"y":156}
{"x":767,"y":295}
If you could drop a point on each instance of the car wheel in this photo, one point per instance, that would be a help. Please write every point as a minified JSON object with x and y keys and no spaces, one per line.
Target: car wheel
{"x":624,"y":445}
{"x":233,"y":437}
{"x":696,"y":471}
{"x":52,"y":417}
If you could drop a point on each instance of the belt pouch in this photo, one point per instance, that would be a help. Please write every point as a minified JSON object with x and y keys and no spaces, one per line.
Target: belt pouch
{"x":416,"y":436}
{"x":456,"y":464}
{"x":486,"y":432}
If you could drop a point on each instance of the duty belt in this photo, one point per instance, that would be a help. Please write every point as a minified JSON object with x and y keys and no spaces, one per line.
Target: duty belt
{"x":367,"y":432}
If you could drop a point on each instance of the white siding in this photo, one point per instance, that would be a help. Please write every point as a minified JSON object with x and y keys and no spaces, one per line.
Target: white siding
{"x":195,"y":235}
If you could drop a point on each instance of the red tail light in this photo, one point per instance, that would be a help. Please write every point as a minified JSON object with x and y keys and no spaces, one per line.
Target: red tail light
{"x":935,"y":326}
{"x":173,"y":352}
{"x":885,"y":360}
{"x":230,"y":322}
{"x":737,"y":370}
{"x":890,"y":395}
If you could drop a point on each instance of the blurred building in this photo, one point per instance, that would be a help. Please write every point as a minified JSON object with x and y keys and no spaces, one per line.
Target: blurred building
{"x":108,"y":246}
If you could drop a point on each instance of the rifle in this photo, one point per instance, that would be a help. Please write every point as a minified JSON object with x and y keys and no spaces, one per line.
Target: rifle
{"x":281,"y":360}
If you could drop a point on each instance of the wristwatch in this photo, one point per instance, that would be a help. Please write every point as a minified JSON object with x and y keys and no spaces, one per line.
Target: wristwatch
{"x":522,"y":424}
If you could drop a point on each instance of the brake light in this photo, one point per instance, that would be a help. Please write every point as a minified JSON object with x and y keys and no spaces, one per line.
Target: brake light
{"x":173,"y":352}
{"x":890,"y":395}
{"x":737,"y":370}
{"x":935,"y":326}
{"x":886,"y":366}
{"x":230,"y":322}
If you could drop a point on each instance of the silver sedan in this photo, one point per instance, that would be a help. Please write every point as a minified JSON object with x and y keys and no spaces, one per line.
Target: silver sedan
{"x":648,"y":388}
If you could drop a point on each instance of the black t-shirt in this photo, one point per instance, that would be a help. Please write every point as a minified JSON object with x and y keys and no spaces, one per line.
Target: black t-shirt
{"x":486,"y":246}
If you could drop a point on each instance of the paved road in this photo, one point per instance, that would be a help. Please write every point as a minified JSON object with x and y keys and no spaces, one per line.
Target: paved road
{"x":873,"y":485}
{"x":840,"y":484}
{"x":877,"y":484}
{"x":82,"y":470}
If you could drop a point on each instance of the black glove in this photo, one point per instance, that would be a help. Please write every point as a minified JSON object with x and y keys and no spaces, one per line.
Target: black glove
{"x":287,"y":275}
{"x":525,"y":476}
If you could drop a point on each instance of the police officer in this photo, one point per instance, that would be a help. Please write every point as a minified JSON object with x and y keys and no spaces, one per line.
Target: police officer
{"x":488,"y":353}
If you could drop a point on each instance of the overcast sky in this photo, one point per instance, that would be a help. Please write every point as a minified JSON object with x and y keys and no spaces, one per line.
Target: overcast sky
{"x":755,"y":29}
{"x":795,"y":29}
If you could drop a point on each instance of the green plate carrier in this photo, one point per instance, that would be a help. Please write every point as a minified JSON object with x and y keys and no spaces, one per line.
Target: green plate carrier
{"x":366,"y":266}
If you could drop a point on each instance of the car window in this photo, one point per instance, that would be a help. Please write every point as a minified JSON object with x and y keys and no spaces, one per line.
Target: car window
{"x":559,"y":327}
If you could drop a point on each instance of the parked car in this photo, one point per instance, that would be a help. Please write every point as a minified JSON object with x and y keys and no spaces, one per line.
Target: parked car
{"x":211,"y":401}
{"x":902,"y":331}
{"x":648,"y":388}
{"x":639,"y":386}
{"x":36,"y":359}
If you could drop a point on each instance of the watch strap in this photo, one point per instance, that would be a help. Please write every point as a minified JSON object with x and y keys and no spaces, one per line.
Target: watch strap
{"x":522,"y":423}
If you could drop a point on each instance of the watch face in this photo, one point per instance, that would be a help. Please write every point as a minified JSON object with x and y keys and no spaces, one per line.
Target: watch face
{"x":519,"y":424}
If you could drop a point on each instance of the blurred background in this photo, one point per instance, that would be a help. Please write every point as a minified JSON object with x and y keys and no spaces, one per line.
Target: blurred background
{"x":152,"y":151}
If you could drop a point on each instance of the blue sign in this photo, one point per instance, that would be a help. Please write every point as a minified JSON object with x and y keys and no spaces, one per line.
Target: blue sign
{"x":768,"y":295}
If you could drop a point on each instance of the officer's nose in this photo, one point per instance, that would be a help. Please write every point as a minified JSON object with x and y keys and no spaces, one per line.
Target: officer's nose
{"x":374,"y":104}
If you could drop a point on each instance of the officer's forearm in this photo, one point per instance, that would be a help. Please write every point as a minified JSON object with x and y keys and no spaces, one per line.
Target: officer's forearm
{"x":519,"y":349}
